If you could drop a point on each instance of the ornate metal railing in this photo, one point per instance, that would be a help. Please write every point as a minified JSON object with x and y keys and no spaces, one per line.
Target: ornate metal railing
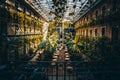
{"x":74,"y":70}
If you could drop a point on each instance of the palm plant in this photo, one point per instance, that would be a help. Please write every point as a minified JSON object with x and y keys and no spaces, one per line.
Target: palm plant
{"x":48,"y":49}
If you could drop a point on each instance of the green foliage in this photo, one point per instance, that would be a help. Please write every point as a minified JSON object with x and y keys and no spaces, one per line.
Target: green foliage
{"x":31,"y":51}
{"x":89,"y":49}
{"x":46,"y":46}
{"x":48,"y":50}
{"x":26,"y":41}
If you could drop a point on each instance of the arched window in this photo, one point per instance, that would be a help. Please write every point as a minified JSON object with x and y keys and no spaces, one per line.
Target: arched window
{"x":96,"y":32}
{"x":103,"y":31}
{"x":90,"y":32}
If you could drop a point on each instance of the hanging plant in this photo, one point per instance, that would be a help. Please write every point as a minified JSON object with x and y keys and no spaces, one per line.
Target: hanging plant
{"x":42,"y":44}
{"x":21,"y":18}
{"x":50,"y":48}
{"x":26,"y":41}
{"x":21,"y":43}
{"x":12,"y":10}
{"x":33,"y":40}
{"x":28,"y":21}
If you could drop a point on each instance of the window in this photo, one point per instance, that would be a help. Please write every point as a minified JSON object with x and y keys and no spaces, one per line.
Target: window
{"x":90,"y":32}
{"x":103,"y":11}
{"x":87,"y":18}
{"x":87,"y":32}
{"x":115,"y":5}
{"x":96,"y":14}
{"x":96,"y":32}
{"x":84,"y":32}
{"x":103,"y":31}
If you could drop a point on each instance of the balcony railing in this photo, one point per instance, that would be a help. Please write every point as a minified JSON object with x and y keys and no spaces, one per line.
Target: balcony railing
{"x":109,"y":18}
{"x":73,"y":70}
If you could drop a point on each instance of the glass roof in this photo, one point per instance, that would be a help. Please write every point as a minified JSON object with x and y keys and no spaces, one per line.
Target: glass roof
{"x":73,"y":9}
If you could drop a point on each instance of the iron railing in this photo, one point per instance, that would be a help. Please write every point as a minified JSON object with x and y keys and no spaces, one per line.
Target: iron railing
{"x":72,"y":70}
